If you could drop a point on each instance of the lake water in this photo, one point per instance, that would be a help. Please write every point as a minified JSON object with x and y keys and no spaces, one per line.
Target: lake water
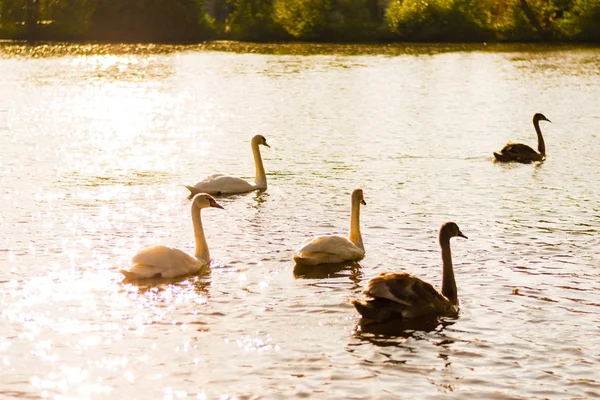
{"x":96,"y":143}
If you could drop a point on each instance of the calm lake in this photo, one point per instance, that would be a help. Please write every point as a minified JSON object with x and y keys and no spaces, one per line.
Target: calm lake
{"x":97,"y":141}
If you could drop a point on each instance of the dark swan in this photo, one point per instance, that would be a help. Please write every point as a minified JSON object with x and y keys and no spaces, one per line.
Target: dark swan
{"x":404,"y":296}
{"x":521,"y":152}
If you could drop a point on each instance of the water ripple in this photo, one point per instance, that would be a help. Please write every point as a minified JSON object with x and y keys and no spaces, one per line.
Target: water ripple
{"x":98,"y":141}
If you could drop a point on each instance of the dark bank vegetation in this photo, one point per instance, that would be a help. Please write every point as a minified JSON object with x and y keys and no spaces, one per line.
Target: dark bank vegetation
{"x":183,"y":21}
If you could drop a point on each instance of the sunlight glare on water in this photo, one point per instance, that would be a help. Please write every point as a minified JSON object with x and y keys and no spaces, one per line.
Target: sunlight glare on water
{"x":97,"y":142}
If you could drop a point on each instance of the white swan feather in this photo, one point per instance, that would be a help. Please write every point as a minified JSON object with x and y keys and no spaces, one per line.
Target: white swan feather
{"x":163,"y":262}
{"x":328,"y":249}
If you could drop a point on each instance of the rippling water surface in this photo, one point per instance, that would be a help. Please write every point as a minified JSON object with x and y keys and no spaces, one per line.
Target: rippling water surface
{"x":96,"y":143}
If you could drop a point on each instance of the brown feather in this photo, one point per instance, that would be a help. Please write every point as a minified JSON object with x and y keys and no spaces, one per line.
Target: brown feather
{"x":402,"y":295}
{"x":416,"y":297}
{"x":518,"y":152}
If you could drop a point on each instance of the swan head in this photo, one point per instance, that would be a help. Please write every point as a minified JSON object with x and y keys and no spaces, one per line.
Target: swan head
{"x":203,"y":200}
{"x":357,"y":197}
{"x":540,"y":117}
{"x":260,"y":140}
{"x":450,"y":230}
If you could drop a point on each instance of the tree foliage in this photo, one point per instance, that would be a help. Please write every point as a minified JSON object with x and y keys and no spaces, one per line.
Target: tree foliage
{"x":118,"y":20}
{"x":581,"y":21}
{"x":12,"y":14}
{"x":253,"y":20}
{"x":435,"y":20}
{"x":149,"y":20}
{"x":71,"y":18}
{"x":323,"y":20}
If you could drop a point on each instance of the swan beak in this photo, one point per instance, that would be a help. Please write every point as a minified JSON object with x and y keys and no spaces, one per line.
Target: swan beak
{"x":217,"y":205}
{"x":462,"y":235}
{"x":364,"y":203}
{"x":266,"y":144}
{"x":548,"y":120}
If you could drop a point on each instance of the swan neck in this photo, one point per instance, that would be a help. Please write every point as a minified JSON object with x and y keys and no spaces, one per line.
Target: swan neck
{"x":541,"y":144}
{"x":355,"y":236}
{"x":260,"y":178}
{"x":201,"y":245}
{"x":448,"y":282}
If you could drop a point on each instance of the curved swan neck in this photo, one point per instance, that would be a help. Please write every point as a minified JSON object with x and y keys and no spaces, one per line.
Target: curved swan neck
{"x":448,"y":282}
{"x":260,"y":178}
{"x":541,"y":144}
{"x":201,"y":245}
{"x":355,"y":236}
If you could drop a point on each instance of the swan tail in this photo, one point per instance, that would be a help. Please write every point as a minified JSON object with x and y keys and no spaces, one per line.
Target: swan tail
{"x":193,"y":191}
{"x":365,"y":308}
{"x":377,"y":309}
{"x":140,"y":271}
{"x":306,"y":260}
{"x":501,"y":157}
{"x":126,"y":273}
{"x":131,"y":275}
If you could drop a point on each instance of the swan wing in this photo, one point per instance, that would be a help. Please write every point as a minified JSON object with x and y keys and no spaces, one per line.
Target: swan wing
{"x":328,"y":249}
{"x":518,"y":152}
{"x":326,"y":244}
{"x":223,"y":184}
{"x":418,"y":297}
{"x":163,"y":261}
{"x":208,"y":180}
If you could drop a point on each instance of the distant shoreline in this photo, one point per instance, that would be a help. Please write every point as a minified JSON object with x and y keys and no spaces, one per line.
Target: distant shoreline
{"x":46,"y":48}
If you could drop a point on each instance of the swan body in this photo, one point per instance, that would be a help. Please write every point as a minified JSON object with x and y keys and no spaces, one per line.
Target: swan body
{"x":220,"y":184}
{"x":404,"y":296}
{"x":168,"y":262}
{"x":333,"y":249}
{"x":521,"y":152}
{"x":328,"y":249}
{"x":163,"y":262}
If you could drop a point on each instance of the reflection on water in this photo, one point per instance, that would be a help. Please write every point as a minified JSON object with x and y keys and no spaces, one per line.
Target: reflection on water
{"x":98,"y":140}
{"x":379,"y":333}
{"x":349,"y":269}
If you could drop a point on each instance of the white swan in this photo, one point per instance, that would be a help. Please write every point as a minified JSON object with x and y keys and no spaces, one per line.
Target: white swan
{"x":331,"y":249}
{"x":219,"y":184}
{"x":167,"y":262}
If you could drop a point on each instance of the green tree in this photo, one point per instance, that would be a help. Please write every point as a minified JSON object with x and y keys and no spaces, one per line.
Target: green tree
{"x":150,"y":20}
{"x":253,"y":20}
{"x":66,"y":19}
{"x":12,"y":16}
{"x":438,"y":20}
{"x":509,"y":22}
{"x":325,"y":19}
{"x":581,"y":21}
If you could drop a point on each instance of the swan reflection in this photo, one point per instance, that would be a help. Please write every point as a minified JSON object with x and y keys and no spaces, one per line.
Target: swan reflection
{"x":349,"y":269}
{"x":396,"y":332}
{"x":199,"y":284}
